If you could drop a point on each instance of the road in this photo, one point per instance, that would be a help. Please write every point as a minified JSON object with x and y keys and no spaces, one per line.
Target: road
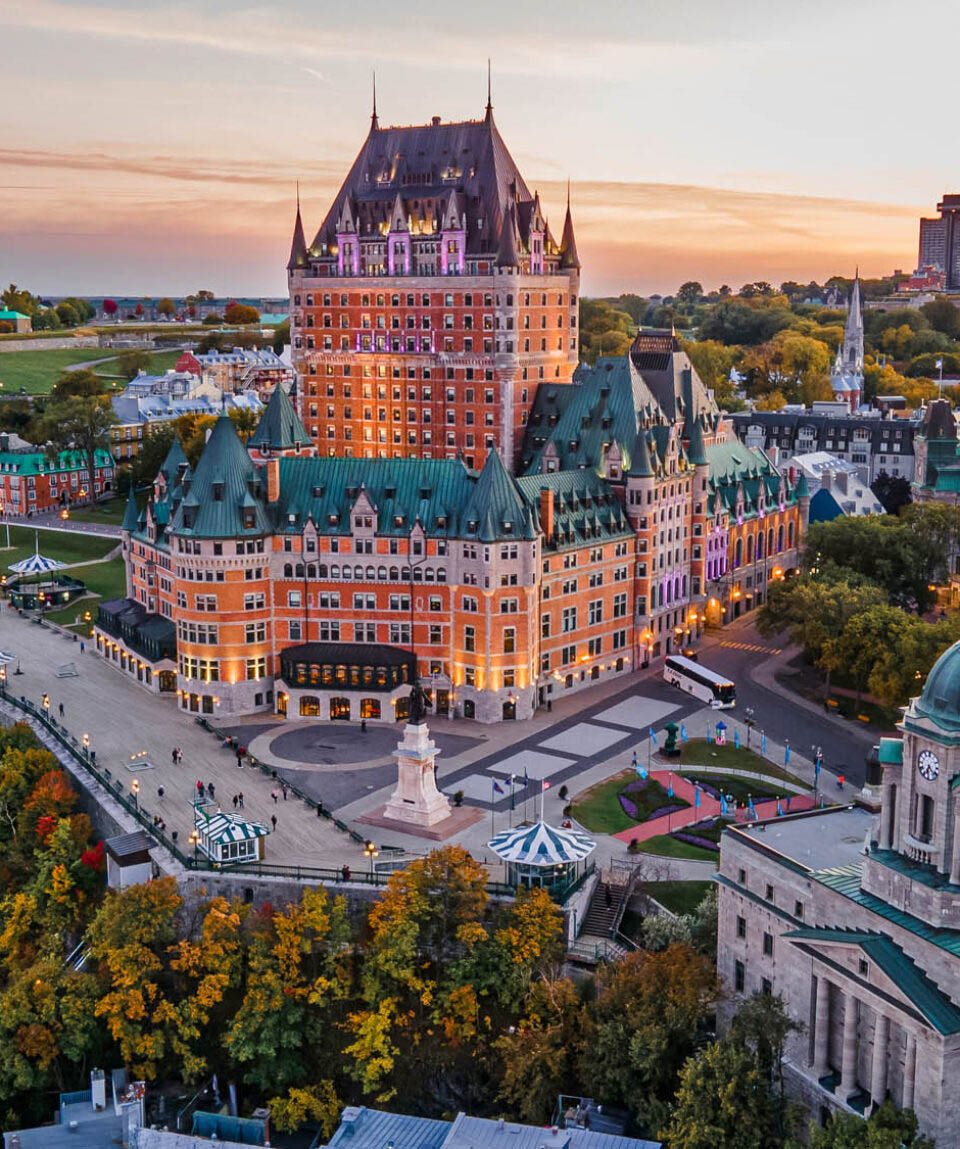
{"x":844,"y":745}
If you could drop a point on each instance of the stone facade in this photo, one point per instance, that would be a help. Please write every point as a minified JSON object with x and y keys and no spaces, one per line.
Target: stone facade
{"x":855,"y":921}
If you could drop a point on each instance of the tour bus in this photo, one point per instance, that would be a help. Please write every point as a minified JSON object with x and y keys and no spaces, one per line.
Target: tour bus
{"x":704,"y":684}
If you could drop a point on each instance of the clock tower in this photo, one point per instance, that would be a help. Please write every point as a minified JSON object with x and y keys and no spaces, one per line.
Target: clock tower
{"x":916,"y":863}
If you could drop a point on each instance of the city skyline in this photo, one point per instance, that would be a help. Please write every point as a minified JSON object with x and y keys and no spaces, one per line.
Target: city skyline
{"x":198,"y":123}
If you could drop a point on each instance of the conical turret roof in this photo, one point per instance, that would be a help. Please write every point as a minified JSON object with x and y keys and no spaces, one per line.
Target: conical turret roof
{"x":280,"y":428}
{"x":696,"y":449}
{"x":496,"y":506}
{"x":222,"y":488}
{"x":568,"y":242}
{"x":298,"y":248}
{"x":130,"y":514}
{"x":507,"y":252}
{"x":640,"y":465}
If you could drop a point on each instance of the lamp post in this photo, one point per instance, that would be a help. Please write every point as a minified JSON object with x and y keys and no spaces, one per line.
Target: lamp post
{"x":194,"y":840}
{"x":45,"y":704}
{"x":135,"y":791}
{"x":3,"y":511}
{"x":370,"y":851}
{"x":86,"y":744}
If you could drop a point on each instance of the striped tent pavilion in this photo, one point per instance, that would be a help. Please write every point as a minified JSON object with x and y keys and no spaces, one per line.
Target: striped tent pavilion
{"x":227,"y":838}
{"x":541,"y":855}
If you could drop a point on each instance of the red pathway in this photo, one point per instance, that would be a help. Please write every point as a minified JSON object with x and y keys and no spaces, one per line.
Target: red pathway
{"x":709,"y":808}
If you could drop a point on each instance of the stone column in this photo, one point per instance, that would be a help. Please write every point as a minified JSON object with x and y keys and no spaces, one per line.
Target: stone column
{"x":821,"y":1032}
{"x":909,"y":1072}
{"x":848,"y":1072}
{"x":955,"y":864}
{"x":886,"y":814}
{"x":878,"y":1075}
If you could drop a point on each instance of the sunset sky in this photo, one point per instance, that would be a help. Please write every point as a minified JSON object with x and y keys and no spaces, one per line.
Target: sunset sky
{"x":154,"y":147}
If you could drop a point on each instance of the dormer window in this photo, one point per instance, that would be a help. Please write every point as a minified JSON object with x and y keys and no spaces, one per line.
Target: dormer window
{"x":218,"y":492}
{"x":333,"y":519}
{"x":472,"y":527}
{"x":508,"y":528}
{"x":249,"y":518}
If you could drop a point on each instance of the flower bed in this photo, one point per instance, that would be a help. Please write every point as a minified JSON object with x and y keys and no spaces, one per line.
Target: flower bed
{"x":644,"y":799}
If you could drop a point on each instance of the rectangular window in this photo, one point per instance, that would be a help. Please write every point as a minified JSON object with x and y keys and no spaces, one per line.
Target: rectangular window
{"x":741,"y":927}
{"x":738,"y":976}
{"x":767,"y":945}
{"x":469,"y":639}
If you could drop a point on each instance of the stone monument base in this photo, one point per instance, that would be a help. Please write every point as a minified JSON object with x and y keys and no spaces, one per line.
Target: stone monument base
{"x":459,"y":819}
{"x":416,"y":802}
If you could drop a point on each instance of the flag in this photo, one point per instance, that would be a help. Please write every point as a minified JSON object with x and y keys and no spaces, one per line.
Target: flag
{"x":498,"y":789}
{"x":816,"y":768}
{"x":670,"y":788}
{"x":696,"y":797}
{"x":641,"y":770}
{"x":939,"y":364}
{"x":786,"y":754}
{"x":512,"y":802}
{"x":710,"y":734}
{"x":723,"y":805}
{"x":653,"y":737}
{"x":751,"y":805}
{"x":546,"y":784}
{"x":683,"y":732}
{"x":763,"y":742}
{"x":736,"y":738}
{"x":779,"y":809}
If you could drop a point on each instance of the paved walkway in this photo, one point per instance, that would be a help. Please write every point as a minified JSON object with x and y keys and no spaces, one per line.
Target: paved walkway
{"x":709,"y":808}
{"x":133,"y":733}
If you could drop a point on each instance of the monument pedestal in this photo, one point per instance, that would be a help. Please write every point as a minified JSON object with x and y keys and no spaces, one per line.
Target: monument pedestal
{"x":416,"y":801}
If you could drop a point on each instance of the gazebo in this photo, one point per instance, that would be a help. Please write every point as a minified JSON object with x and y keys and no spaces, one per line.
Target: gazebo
{"x":542,"y":855}
{"x":36,"y":563}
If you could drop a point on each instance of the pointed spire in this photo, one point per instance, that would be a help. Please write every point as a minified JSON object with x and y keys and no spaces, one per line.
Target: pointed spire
{"x":131,"y":514}
{"x":696,"y":449}
{"x":640,"y":464}
{"x":488,"y":114}
{"x":298,"y":248}
{"x":374,"y":121}
{"x":568,"y":242}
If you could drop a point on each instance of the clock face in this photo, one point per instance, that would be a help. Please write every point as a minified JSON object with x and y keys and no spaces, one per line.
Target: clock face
{"x":928,"y":764}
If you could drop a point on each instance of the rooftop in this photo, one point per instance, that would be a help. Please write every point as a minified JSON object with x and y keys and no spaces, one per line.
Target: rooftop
{"x":93,"y":1130}
{"x":820,"y":840}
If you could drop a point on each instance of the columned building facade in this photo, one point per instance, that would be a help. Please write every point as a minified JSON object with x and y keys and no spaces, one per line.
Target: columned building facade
{"x":855,"y":920}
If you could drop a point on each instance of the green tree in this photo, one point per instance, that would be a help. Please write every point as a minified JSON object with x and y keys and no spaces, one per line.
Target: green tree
{"x":132,"y":362}
{"x":863,"y":642}
{"x":894,"y":491}
{"x":724,"y":1099}
{"x":82,"y":424}
{"x":886,"y":1128}
{"x":943,"y":316}
{"x":67,"y":314}
{"x":212,"y":320}
{"x":690,"y":292}
{"x":80,"y":384}
{"x":815,"y":608}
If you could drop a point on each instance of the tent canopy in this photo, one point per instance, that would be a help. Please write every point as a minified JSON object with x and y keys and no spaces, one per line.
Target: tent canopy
{"x":541,"y":845}
{"x":36,"y":563}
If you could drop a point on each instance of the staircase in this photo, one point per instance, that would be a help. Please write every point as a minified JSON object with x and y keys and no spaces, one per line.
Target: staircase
{"x":601,"y":919}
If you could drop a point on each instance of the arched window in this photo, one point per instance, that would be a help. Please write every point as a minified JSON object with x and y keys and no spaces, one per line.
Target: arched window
{"x":311,"y":571}
{"x":371,"y":574}
{"x":750,"y":548}
{"x":770,"y":541}
{"x":738,"y":553}
{"x":323,"y":570}
{"x":780,"y":539}
{"x":382,"y":574}
{"x":430,"y":574}
{"x":394,"y":574}
{"x":299,"y":570}
{"x":760,"y":545}
{"x":334,"y":572}
{"x":790,"y":534}
{"x":288,"y":570}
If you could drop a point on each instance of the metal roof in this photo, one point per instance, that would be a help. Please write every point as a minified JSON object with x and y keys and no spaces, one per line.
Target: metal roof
{"x":280,"y":427}
{"x":374,"y":1129}
{"x":541,"y":845}
{"x":125,"y":845}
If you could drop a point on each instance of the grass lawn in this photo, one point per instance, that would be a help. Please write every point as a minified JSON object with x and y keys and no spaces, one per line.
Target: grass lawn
{"x":160,"y":362}
{"x":699,"y":752}
{"x":37,"y":371}
{"x":109,"y":512}
{"x":678,"y":897}
{"x":60,"y":545}
{"x":599,"y":808}
{"x":104,"y":581}
{"x":668,"y":847}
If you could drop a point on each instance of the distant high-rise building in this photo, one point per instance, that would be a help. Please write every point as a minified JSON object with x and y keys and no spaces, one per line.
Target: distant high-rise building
{"x":940,"y":241}
{"x":433,"y":300}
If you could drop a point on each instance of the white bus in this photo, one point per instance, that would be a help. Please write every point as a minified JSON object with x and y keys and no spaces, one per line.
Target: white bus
{"x":704,"y":684}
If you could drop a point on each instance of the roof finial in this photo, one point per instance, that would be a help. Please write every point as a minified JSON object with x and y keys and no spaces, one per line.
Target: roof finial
{"x":568,"y":193}
{"x":489,"y":91}
{"x":298,"y":197}
{"x":374,"y":122}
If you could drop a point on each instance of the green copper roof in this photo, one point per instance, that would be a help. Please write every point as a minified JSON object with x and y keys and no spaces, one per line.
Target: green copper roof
{"x":845,"y":880}
{"x":584,"y":507}
{"x":734,"y":466}
{"x":400,"y":490}
{"x":218,"y":493}
{"x":940,"y":700}
{"x":891,"y":751}
{"x":280,"y":428}
{"x":696,"y":450}
{"x":37,"y":463}
{"x":175,"y":458}
{"x":131,"y":514}
{"x":495,"y":509}
{"x":902,"y":970}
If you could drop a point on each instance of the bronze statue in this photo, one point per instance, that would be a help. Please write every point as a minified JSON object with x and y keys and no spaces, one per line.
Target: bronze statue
{"x":419,"y":701}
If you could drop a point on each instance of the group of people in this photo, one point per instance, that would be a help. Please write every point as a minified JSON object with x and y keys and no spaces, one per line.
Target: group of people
{"x":176,"y":756}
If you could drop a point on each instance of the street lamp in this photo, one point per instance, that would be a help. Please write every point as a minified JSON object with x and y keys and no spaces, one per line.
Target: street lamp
{"x":194,"y":840}
{"x":86,"y":743}
{"x":370,"y":851}
{"x":45,"y":703}
{"x":135,"y":791}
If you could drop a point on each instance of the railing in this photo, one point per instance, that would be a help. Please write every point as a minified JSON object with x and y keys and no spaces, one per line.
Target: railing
{"x":561,"y":892}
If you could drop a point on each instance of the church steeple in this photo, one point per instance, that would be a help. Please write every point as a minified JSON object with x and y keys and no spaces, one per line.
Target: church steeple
{"x":853,"y":334}
{"x":298,"y":249}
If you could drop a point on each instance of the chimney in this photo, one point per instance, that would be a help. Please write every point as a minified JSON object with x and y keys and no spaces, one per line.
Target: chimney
{"x":273,"y":480}
{"x":436,"y":121}
{"x":98,"y":1089}
{"x":546,"y":511}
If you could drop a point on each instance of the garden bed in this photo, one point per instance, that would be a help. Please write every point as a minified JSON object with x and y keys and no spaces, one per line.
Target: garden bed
{"x":700,"y":752}
{"x":622,"y":802}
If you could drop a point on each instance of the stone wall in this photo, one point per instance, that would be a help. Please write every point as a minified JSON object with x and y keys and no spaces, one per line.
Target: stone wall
{"x":60,"y":343}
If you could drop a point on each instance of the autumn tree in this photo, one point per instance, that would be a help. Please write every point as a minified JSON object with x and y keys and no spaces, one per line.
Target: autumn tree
{"x":81,"y":384}
{"x":132,"y":362}
{"x":240,"y":313}
{"x":166,"y":307}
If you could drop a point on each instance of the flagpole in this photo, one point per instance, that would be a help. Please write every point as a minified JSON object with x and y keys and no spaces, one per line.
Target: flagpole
{"x":543,"y":792}
{"x":493,"y":803}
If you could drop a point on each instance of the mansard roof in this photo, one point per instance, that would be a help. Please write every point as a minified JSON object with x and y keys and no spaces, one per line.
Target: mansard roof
{"x":584,"y":507}
{"x":609,"y":403}
{"x":280,"y":427}
{"x":735,"y":468}
{"x":421,"y":165}
{"x":495,"y":508}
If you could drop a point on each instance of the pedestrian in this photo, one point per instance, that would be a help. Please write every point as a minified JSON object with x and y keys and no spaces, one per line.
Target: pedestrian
{"x":275,"y":796}
{"x":179,"y":756}
{"x":363,"y":725}
{"x":239,"y":757}
{"x":319,"y":809}
{"x":235,"y":800}
{"x":159,"y":791}
{"x":61,"y":711}
{"x":173,"y":755}
{"x":83,"y":646}
{"x":283,"y":789}
{"x":240,"y":799}
{"x":210,"y":790}
{"x":200,"y":790}
{"x":345,"y":872}
{"x":273,"y":819}
{"x":841,"y":778}
{"x":607,"y":898}
{"x":635,"y":761}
